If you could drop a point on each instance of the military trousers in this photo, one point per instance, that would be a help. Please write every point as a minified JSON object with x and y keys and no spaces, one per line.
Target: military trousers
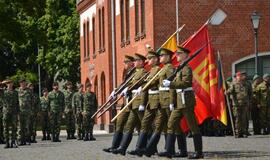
{"x":88,"y":123}
{"x":121,"y":121}
{"x":255,"y":116}
{"x":265,"y":116}
{"x":161,"y":120}
{"x":240,"y":113}
{"x":24,"y":131}
{"x":175,"y":117}
{"x":148,"y":119}
{"x":10,"y":124}
{"x":55,"y":122}
{"x":33,"y":124}
{"x":45,"y":122}
{"x":134,"y":119}
{"x":1,"y":127}
{"x":70,"y":122}
{"x":79,"y":123}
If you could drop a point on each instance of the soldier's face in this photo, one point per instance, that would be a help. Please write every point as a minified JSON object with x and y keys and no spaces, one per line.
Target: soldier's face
{"x":152,"y":61}
{"x":181,"y":57}
{"x":23,"y":84}
{"x":9,"y":85}
{"x":69,"y":86}
{"x":139,"y":63}
{"x":55,"y":87}
{"x":45,"y":93}
{"x":164,"y":58}
{"x":128,"y":65}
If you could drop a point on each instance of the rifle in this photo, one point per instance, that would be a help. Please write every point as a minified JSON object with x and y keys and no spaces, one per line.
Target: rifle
{"x":185,"y":62}
{"x":130,"y":88}
{"x":118,"y":90}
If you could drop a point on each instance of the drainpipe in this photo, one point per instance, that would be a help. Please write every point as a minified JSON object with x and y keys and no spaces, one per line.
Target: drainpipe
{"x":177,"y":19}
{"x":113,"y":45}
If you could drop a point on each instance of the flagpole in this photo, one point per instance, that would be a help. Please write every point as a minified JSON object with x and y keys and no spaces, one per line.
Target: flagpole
{"x":227,"y":97}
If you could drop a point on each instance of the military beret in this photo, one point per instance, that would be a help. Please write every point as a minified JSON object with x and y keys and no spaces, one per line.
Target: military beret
{"x":128,"y":58}
{"x":182,"y":50}
{"x":139,"y":57}
{"x":229,"y":79}
{"x":151,"y":54}
{"x":55,"y":83}
{"x":7,"y":81}
{"x":241,"y":73}
{"x":165,"y":51}
{"x":255,"y":77}
{"x":29,"y":84}
{"x":266,"y":75}
{"x":22,"y":80}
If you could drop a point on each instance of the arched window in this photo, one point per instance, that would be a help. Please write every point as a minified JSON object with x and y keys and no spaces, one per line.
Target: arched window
{"x":122,"y":7}
{"x":143,"y":19}
{"x":87,"y":82}
{"x":94,"y":35}
{"x":99,"y":30}
{"x":127,"y":23}
{"x":137,"y":20}
{"x":84,"y":40}
{"x":88,"y":38}
{"x":103,"y":93}
{"x":103,"y":30}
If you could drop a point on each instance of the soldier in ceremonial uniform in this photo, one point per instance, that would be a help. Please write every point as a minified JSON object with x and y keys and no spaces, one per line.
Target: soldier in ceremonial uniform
{"x":122,"y":119}
{"x":69,"y":111}
{"x":263,"y":91}
{"x":44,"y":115}
{"x":255,"y":112}
{"x":137,"y":107}
{"x":77,"y":102}
{"x":153,"y":104}
{"x":25,"y":101}
{"x":10,"y":114}
{"x":56,"y":108}
{"x":89,"y":108}
{"x":184,"y":108}
{"x":241,"y":93}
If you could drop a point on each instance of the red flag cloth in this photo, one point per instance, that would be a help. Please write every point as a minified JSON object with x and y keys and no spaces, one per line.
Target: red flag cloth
{"x":205,"y":79}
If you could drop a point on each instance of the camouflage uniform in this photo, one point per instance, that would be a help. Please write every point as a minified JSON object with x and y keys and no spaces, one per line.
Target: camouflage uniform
{"x":255,"y":111}
{"x":44,"y":118}
{"x":1,"y":115}
{"x":56,"y":108}
{"x":78,"y":107}
{"x":25,"y":101}
{"x":35,"y":107}
{"x":89,"y":108}
{"x":69,"y":114}
{"x":10,"y":115}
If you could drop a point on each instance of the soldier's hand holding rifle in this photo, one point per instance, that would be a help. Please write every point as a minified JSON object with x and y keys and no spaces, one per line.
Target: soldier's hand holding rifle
{"x":124,"y":92}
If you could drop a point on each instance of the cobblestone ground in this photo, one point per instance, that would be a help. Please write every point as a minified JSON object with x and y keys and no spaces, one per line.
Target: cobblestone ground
{"x":254,"y":147}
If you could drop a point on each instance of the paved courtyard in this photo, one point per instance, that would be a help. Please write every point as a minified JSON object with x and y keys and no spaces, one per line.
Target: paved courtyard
{"x":254,"y":147}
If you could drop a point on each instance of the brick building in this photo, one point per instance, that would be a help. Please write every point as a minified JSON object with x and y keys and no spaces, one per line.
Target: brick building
{"x":109,"y":29}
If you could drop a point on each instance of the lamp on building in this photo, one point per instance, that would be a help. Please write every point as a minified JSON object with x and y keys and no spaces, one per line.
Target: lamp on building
{"x":255,"y":18}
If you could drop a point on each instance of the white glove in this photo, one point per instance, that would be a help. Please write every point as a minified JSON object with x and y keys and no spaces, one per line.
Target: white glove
{"x":138,"y":91}
{"x":124,"y":92}
{"x":166,"y":83}
{"x":112,"y":95}
{"x":141,"y":108}
{"x":171,"y":107}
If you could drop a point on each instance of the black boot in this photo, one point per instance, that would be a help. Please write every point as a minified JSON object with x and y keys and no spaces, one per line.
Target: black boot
{"x":28,"y":141}
{"x":151,"y":147}
{"x":86,"y":137}
{"x":22,"y":142}
{"x":13,"y":144}
{"x":182,"y":146}
{"x":44,"y":136}
{"x":7,"y":144}
{"x":169,"y":146}
{"x":92,"y":138}
{"x":48,"y":136}
{"x":79,"y":136}
{"x":68,"y":136}
{"x":34,"y":140}
{"x":127,"y":137}
{"x":57,"y":138}
{"x":197,"y":140}
{"x":141,"y":143}
{"x":72,"y":136}
{"x":115,"y":142}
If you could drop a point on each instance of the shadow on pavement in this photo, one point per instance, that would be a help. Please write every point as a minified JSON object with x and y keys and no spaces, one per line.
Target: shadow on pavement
{"x":235,"y":154}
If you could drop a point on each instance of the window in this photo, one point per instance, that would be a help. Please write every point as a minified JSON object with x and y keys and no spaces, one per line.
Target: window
{"x":84,"y":40}
{"x":122,"y":22}
{"x":143,"y":19}
{"x":88,"y":38}
{"x":99,"y":29}
{"x":127,"y":23}
{"x":137,"y":21}
{"x":103,"y":30}
{"x":93,"y":36}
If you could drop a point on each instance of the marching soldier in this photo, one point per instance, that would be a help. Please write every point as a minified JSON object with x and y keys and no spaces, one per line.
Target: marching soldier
{"x":90,"y":107}
{"x":184,"y":108}
{"x":152,"y":107}
{"x":255,"y":110}
{"x":10,"y":114}
{"x":241,"y":92}
{"x":264,"y":103}
{"x":56,"y":107}
{"x":2,"y":141}
{"x":122,"y":119}
{"x":69,"y":112}
{"x":25,"y":101}
{"x":35,"y":109}
{"x":77,"y":102}
{"x":44,"y":115}
{"x":137,"y":107}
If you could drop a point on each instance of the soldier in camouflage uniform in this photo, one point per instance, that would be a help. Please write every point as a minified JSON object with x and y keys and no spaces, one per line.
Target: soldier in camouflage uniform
{"x":241,"y":93}
{"x":25,"y":101}
{"x":185,"y":101}
{"x":77,"y":102}
{"x":122,"y":119}
{"x":89,"y":108}
{"x":56,"y":108}
{"x":263,"y":91}
{"x":10,"y":114}
{"x":44,"y":115}
{"x":69,"y":112}
{"x":35,"y":109}
{"x":2,"y":141}
{"x":255,"y":112}
{"x":137,"y":107}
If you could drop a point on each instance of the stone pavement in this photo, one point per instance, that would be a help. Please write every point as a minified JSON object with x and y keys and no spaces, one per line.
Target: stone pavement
{"x":254,"y":147}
